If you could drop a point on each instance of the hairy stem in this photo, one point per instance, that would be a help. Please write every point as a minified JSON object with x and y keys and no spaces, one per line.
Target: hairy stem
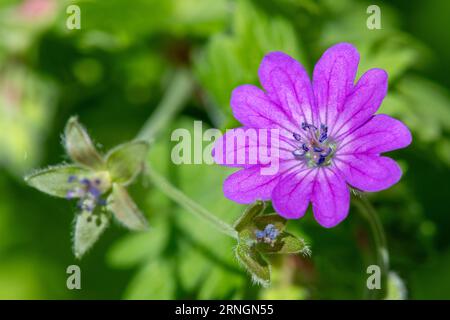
{"x":379,"y":240}
{"x":190,"y":205}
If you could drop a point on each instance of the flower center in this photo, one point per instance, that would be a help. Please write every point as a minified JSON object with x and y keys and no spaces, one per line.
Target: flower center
{"x":314,"y":147}
{"x":89,"y":191}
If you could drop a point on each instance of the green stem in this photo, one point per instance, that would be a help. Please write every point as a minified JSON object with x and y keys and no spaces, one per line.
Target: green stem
{"x":179,"y":91}
{"x":189,"y":204}
{"x":380,"y":243}
{"x":177,"y":94}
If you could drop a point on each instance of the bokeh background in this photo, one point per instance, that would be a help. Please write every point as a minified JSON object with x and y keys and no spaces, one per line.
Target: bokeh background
{"x":112,"y":74}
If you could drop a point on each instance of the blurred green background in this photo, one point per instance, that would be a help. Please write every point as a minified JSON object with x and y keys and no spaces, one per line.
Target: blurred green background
{"x":112,"y":74}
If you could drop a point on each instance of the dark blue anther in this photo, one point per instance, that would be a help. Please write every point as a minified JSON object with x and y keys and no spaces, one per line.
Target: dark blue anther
{"x":323,"y":128}
{"x":318,"y":149}
{"x":94,"y":192}
{"x":298,"y":153}
{"x":327,"y":153}
{"x":305,"y":148}
{"x":323,"y":137}
{"x":297,"y":136}
{"x":321,"y":160}
{"x":86,"y":182}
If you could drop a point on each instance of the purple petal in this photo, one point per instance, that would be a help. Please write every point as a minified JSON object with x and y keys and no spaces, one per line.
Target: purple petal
{"x":380,"y":134}
{"x":363,"y":102}
{"x":289,"y":86}
{"x":291,"y":196}
{"x":248,"y":185}
{"x":333,"y":79}
{"x":253,"y":108}
{"x":243,"y":147}
{"x":369,"y":172}
{"x":330,"y":199}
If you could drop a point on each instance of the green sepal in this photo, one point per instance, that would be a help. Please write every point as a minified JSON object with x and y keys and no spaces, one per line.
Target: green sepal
{"x":125,"y":210}
{"x":249,"y":214}
{"x":88,"y":228}
{"x":80,"y":147}
{"x":126,"y":161}
{"x":254,"y":263}
{"x":55,"y":180}
{"x":285,"y":243}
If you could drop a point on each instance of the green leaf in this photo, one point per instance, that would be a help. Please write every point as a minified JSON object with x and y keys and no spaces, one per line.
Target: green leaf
{"x":230,"y":60}
{"x":254,"y":263}
{"x":285,"y":243}
{"x":88,"y":228}
{"x":125,"y":161}
{"x":125,"y":210}
{"x":249,"y":214}
{"x":55,"y":180}
{"x":79,"y":145}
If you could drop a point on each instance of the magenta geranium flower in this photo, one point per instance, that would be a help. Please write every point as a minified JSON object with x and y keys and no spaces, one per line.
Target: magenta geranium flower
{"x":329,"y":137}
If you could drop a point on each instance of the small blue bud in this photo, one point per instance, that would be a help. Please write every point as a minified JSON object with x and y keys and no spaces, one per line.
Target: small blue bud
{"x":260,"y":234}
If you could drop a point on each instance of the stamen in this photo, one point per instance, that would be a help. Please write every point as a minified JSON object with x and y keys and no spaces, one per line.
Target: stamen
{"x":321,"y":160}
{"x":297,"y":136}
{"x":317,"y":141}
{"x":308,"y":126}
{"x":304,"y":125}
{"x":88,"y":191}
{"x":317,"y":149}
{"x":304,"y":147}
{"x":298,"y":153}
